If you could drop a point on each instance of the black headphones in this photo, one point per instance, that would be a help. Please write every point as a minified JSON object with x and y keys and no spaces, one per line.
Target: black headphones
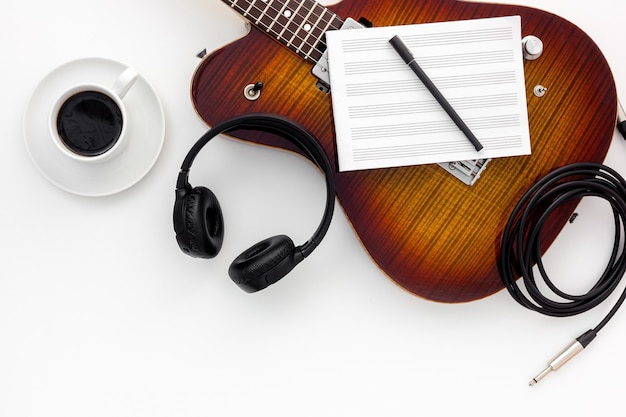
{"x":198,"y":220}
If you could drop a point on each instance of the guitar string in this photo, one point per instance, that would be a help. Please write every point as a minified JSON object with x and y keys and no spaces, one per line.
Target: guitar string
{"x":320,"y":44}
{"x":284,"y":7}
{"x":320,"y":19}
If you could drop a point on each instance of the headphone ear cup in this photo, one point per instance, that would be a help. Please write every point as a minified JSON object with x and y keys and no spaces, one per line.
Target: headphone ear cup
{"x":264,"y":263}
{"x":203,"y":231}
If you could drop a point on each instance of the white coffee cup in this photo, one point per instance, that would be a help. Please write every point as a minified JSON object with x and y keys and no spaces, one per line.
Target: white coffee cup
{"x":88,"y":122}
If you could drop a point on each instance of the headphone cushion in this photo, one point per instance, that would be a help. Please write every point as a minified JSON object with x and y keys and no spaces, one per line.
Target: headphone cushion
{"x":204,"y":224}
{"x":264,"y":263}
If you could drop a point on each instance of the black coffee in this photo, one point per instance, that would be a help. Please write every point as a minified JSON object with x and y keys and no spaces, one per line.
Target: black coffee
{"x":89,"y":123}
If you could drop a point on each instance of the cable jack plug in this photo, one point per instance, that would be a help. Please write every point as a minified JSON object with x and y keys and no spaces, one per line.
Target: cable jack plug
{"x":621,"y":120}
{"x":568,"y":353}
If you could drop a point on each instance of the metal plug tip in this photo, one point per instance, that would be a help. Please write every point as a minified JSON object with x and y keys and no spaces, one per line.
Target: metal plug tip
{"x":541,"y":376}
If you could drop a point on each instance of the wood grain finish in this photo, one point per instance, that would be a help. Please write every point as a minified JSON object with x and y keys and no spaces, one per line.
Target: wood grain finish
{"x":433,"y":235}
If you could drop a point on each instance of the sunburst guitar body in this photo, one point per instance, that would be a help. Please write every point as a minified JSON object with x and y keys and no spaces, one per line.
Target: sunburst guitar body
{"x":429,"y":232}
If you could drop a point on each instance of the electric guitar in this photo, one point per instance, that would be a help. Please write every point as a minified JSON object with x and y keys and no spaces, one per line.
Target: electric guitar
{"x":432,"y":234}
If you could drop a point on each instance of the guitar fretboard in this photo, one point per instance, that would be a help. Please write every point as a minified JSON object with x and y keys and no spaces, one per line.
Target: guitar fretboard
{"x":299,"y":25}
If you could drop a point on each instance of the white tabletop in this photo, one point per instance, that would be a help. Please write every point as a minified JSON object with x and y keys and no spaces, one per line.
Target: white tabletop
{"x":102,"y":315}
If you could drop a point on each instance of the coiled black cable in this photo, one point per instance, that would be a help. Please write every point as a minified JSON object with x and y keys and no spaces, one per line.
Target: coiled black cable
{"x":521,"y":245}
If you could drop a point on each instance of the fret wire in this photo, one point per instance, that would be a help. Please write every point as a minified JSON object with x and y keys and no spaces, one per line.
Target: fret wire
{"x":295,"y":13}
{"x":263,"y":12}
{"x":280,"y":12}
{"x":299,"y":34}
{"x":326,"y":28}
{"x":333,"y":23}
{"x":313,"y":47}
{"x":249,"y":7}
{"x":337,"y":27}
{"x":269,"y":5}
{"x":308,"y":32}
{"x":289,"y":18}
{"x":253,"y":12}
{"x":313,"y":28}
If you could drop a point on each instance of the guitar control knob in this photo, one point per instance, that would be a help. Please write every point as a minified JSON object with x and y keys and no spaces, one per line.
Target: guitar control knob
{"x":532,"y":47}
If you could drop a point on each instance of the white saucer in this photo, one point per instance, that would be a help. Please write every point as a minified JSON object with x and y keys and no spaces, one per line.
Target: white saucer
{"x":146,"y":131}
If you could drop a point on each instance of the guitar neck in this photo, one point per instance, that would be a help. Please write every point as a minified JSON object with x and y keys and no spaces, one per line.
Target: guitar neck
{"x":299,"y":25}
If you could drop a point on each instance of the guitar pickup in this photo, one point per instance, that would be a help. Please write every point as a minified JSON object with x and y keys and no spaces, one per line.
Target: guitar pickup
{"x":320,"y":70}
{"x":467,"y":171}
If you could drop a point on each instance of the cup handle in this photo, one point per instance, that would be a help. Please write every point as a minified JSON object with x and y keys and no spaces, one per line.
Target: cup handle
{"x":125,"y":81}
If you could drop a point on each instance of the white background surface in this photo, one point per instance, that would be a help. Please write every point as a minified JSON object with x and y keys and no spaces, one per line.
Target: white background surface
{"x":102,"y":315}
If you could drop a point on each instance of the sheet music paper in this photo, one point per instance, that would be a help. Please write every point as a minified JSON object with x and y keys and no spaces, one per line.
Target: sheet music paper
{"x":385,"y":117}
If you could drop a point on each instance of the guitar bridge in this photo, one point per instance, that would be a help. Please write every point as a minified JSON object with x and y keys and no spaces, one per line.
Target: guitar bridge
{"x":467,"y":171}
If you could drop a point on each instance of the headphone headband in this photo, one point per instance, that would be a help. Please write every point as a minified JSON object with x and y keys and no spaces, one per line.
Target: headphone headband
{"x":270,"y":260}
{"x":269,"y":123}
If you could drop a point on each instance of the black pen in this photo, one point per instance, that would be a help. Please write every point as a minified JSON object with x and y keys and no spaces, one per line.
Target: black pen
{"x":408,"y":58}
